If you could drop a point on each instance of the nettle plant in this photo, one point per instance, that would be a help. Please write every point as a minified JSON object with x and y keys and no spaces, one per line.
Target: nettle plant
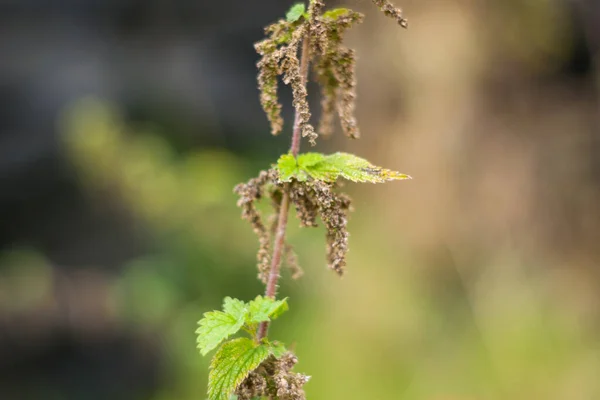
{"x":256,"y":367}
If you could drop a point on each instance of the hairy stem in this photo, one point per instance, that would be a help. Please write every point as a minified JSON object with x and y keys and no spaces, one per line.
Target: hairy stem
{"x":279,"y":242}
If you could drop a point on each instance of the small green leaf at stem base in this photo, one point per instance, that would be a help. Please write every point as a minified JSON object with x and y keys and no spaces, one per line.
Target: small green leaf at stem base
{"x":231,"y":364}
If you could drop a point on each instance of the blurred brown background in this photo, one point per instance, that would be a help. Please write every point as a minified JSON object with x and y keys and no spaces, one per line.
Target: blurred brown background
{"x":124,"y":126}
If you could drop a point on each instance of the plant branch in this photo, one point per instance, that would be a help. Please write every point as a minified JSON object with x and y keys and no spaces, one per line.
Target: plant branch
{"x":279,"y":242}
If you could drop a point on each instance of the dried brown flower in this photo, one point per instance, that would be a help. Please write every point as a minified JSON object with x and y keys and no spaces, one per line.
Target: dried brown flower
{"x":274,"y":379}
{"x":391,"y":11}
{"x":318,"y":198}
{"x":333,"y":63}
{"x":292,"y":76}
{"x":289,"y":384}
{"x":314,"y":10}
{"x":333,"y":210}
{"x":334,"y":67}
{"x":345,"y":62}
{"x":306,"y":209}
{"x":267,"y":83}
{"x":249,"y":193}
{"x":255,"y":385}
{"x":280,"y":33}
{"x":279,"y":56}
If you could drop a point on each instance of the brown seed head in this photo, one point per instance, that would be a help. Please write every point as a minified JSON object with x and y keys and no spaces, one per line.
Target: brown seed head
{"x":391,"y":11}
{"x":250,"y":193}
{"x":318,"y":198}
{"x":334,"y":67}
{"x":279,"y":380}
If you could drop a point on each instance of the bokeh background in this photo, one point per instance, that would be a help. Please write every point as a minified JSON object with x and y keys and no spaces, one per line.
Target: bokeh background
{"x":125,"y":124}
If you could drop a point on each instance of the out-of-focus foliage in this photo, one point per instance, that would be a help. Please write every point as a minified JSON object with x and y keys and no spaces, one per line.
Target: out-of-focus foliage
{"x":507,"y":336}
{"x":25,"y":281}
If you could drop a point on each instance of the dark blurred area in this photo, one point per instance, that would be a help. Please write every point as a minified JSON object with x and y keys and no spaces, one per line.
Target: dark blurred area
{"x":124,"y":126}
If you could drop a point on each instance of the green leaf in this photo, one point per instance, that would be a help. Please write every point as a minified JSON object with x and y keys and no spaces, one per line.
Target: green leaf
{"x":336,"y":13}
{"x":322,"y":170}
{"x":217,"y":326}
{"x":278,"y":309}
{"x":265,"y":308}
{"x":234,"y":306}
{"x":231,"y":364}
{"x":295,"y":12}
{"x":358,"y":169}
{"x":308,"y":160}
{"x":329,"y":168}
{"x":287,"y":167}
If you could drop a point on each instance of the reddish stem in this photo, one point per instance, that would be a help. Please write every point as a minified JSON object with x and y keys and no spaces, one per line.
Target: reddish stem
{"x":279,"y":242}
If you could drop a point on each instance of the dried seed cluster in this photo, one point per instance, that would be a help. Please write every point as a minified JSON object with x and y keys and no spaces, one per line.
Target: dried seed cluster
{"x":311,"y":200}
{"x":334,"y":66}
{"x":391,"y":11}
{"x":250,"y":193}
{"x":333,"y":63}
{"x":255,"y":385}
{"x":318,"y":198}
{"x":279,"y":56}
{"x":274,"y":379}
{"x":288,"y":384}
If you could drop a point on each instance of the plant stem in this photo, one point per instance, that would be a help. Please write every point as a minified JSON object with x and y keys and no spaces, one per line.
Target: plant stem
{"x":279,"y":242}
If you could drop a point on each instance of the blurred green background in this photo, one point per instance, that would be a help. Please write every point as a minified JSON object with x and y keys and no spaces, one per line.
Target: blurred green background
{"x":126,"y":126}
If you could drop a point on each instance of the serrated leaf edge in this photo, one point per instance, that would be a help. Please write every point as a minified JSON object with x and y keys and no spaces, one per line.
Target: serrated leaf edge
{"x":376,"y":174}
{"x":233,"y":329}
{"x":221,"y":395}
{"x":204,"y":350}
